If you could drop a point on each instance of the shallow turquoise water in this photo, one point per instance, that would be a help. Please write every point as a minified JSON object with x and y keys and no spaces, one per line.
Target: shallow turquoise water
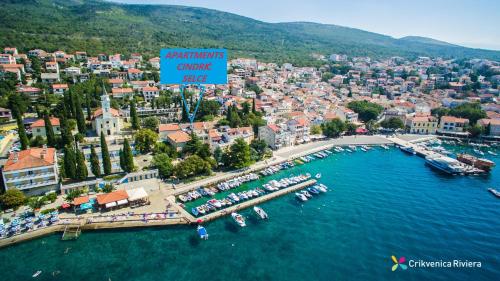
{"x":381,"y":203}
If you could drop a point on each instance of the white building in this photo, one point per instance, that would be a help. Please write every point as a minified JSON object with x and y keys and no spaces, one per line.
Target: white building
{"x":106,"y":120}
{"x":274,"y":136}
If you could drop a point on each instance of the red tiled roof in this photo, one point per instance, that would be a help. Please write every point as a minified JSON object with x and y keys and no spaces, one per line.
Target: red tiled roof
{"x":98,"y":113}
{"x":111,"y":197}
{"x":169,"y":127}
{"x":59,"y":86}
{"x":80,"y":200}
{"x":179,"y":137}
{"x":150,"y":89}
{"x":30,"y":158}
{"x":453,"y":119}
{"x":41,"y":123}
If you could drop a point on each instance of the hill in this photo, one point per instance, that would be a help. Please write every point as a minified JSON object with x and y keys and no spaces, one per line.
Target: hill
{"x":97,"y":26}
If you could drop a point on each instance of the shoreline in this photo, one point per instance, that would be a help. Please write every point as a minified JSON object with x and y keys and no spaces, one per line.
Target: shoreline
{"x":283,"y":155}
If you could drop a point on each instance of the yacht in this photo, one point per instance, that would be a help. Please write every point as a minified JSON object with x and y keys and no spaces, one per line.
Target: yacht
{"x":301,"y":196}
{"x":259,"y":211}
{"x":445,"y":164}
{"x":238,"y":219}
{"x":194,"y":211}
{"x":214,"y":202}
{"x":320,"y":187}
{"x":307,"y":194}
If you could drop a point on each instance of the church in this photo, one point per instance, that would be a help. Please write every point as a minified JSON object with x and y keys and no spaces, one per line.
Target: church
{"x":106,"y":120}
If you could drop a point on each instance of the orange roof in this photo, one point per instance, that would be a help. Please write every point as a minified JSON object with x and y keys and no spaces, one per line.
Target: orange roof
{"x":112,"y":197}
{"x":80,"y":200}
{"x":169,"y":127}
{"x":179,"y":137}
{"x":98,"y":113}
{"x":116,"y":81}
{"x":30,"y":158}
{"x":274,"y":127}
{"x":454,"y":119}
{"x":59,"y":86}
{"x":149,"y":89}
{"x":134,"y":70}
{"x":41,"y":123}
{"x":117,"y":91}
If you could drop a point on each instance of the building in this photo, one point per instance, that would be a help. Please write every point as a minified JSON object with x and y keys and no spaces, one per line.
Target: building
{"x":300,"y":129}
{"x":114,"y":157}
{"x":346,"y":114}
{"x":178,"y":139}
{"x":106,"y":120}
{"x":453,"y":125}
{"x":38,"y":127}
{"x":422,"y":124}
{"x":166,"y":129}
{"x":33,"y":171}
{"x":275,"y":136}
{"x":59,"y":89}
{"x":5,"y":114}
{"x":150,"y":93}
{"x":491,"y":126}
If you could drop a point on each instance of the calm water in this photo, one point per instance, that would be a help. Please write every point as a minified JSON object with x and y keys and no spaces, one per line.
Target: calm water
{"x":381,"y":203}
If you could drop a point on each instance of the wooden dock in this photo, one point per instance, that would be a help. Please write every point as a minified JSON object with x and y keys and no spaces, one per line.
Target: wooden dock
{"x":71,"y":232}
{"x":255,"y":201}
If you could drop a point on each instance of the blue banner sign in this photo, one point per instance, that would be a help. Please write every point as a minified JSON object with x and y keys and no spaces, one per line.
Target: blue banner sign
{"x":193,"y":66}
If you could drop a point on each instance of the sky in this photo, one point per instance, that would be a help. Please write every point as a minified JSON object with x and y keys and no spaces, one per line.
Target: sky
{"x":472,"y":23}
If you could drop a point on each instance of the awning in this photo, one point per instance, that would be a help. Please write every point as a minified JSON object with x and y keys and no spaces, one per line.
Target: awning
{"x":122,"y":202}
{"x":109,"y":205}
{"x":136,"y":194}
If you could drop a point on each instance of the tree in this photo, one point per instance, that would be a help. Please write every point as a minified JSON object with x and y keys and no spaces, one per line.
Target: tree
{"x":128,"y":157}
{"x":133,"y":116}
{"x":366,"y":110}
{"x":440,"y":112}
{"x":69,"y":162}
{"x":81,"y":168}
{"x":191,"y":166}
{"x":49,"y":131}
{"x":193,"y":145}
{"x":145,"y":139}
{"x":333,"y":128}
{"x":218,"y":154}
{"x":66,"y":137}
{"x":150,"y":123}
{"x":122,"y":160}
{"x":80,"y":118}
{"x":12,"y":198}
{"x":471,"y":111}
{"x":475,"y":130}
{"x":315,"y":129}
{"x":260,"y":148}
{"x":106,"y":161}
{"x":238,"y":155}
{"x":23,"y":138}
{"x":94,"y":162}
{"x":393,"y":123}
{"x":164,"y":165}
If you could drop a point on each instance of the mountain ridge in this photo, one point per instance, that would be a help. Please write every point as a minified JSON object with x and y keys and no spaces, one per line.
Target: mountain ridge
{"x":102,"y":26}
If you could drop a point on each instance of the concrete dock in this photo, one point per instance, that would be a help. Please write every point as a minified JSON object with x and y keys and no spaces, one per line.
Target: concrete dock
{"x":255,"y":201}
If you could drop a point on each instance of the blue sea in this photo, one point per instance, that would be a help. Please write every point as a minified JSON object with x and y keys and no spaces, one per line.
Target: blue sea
{"x":381,"y":203}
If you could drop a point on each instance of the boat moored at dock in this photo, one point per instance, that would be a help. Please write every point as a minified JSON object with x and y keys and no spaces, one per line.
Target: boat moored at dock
{"x":445,"y":164}
{"x":480,"y":163}
{"x":408,"y":149}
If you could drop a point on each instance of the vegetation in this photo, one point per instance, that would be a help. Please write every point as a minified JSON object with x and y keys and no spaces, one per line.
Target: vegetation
{"x":471,"y":111}
{"x":238,"y":155}
{"x":12,"y":198}
{"x":128,"y":158}
{"x":151,"y":123}
{"x":73,"y":194}
{"x":81,"y":168}
{"x":366,"y":110}
{"x":393,"y":123}
{"x":145,"y":139}
{"x":192,"y":166}
{"x":49,"y":131}
{"x":94,"y":162}
{"x":333,"y":128}
{"x":164,"y":165}
{"x":133,"y":116}
{"x":106,"y":161}
{"x":315,"y":130}
{"x":69,"y":162}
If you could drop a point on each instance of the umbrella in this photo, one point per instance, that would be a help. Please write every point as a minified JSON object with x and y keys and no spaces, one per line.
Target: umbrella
{"x":41,"y":216}
{"x":54,"y":213}
{"x":65,"y":206}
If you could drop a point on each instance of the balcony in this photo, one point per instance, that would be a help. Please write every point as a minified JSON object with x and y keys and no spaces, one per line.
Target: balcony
{"x":31,"y":176}
{"x":34,"y":185}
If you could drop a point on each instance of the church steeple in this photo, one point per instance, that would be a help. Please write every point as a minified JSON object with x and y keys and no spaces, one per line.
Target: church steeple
{"x":105,"y":103}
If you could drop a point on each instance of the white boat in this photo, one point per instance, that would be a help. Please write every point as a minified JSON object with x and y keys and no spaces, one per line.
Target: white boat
{"x":215,"y":203}
{"x":238,"y":219}
{"x":318,"y":175}
{"x":384,"y":146}
{"x":348,"y":150}
{"x":202,"y":232}
{"x":259,"y":211}
{"x":445,"y":164}
{"x":494,"y":192}
{"x":408,"y":149}
{"x":321,"y":188}
{"x":306,"y":193}
{"x":364,"y":149}
{"x":36,"y":274}
{"x":492,"y":153}
{"x":301,"y":196}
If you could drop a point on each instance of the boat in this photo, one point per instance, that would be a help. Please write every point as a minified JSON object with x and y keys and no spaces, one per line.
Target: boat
{"x":307,"y":194}
{"x":445,"y":164}
{"x":320,"y":187}
{"x":480,"y":163}
{"x":352,"y":147}
{"x":318,"y":175}
{"x":348,"y":150}
{"x":195,"y":211}
{"x":313,"y":190}
{"x":301,"y":196}
{"x":494,"y":192}
{"x":183,"y":198}
{"x":36,"y":274}
{"x":364,"y":149}
{"x":259,"y":211}
{"x":214,"y":202}
{"x":477,"y":151}
{"x":492,"y":153}
{"x":238,"y":219}
{"x":408,"y":149}
{"x":384,"y":146}
{"x":202,"y":232}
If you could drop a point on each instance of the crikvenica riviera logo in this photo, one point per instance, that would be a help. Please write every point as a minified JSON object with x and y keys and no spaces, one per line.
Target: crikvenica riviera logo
{"x":399,"y":263}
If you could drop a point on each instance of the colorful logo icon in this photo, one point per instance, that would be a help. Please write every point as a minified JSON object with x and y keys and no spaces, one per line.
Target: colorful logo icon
{"x":399,"y":263}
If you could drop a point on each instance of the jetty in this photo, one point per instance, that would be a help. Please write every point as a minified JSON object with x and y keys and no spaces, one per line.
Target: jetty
{"x":71,"y":232}
{"x":256,"y":201}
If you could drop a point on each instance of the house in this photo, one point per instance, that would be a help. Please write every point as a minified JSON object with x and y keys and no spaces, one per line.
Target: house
{"x":32,"y":92}
{"x":106,"y":120}
{"x":116,"y":82}
{"x":178,"y":139}
{"x":155,"y":62}
{"x":59,"y":89}
{"x":7,"y":59}
{"x":17,"y":69}
{"x":150,"y":93}
{"x":52,"y":67}
{"x":134,"y":74}
{"x":422,"y":124}
{"x":166,"y":129}
{"x":50,"y":78}
{"x":5,"y":114}
{"x":10,"y":50}
{"x":81,"y":55}
{"x":122,"y":92}
{"x":275,"y":136}
{"x":33,"y":171}
{"x":453,"y":125}
{"x":346,"y":114}
{"x":299,"y":128}
{"x":38,"y":127}
{"x":73,"y":70}
{"x":114,"y":157}
{"x":491,"y":126}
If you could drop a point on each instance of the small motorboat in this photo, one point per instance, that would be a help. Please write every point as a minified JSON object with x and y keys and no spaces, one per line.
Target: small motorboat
{"x":307,"y":194}
{"x":36,"y":274}
{"x":238,"y":219}
{"x":492,"y":153}
{"x":494,"y":192}
{"x":201,"y":210}
{"x":183,"y":198}
{"x":214,"y":202}
{"x":320,"y":188}
{"x":202,"y":232}
{"x":318,"y":175}
{"x":194,"y":211}
{"x":364,"y":149}
{"x":313,"y":190}
{"x":259,"y":211}
{"x":301,"y":196}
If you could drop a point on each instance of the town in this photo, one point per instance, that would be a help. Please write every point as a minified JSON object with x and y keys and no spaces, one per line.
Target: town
{"x":84,"y":133}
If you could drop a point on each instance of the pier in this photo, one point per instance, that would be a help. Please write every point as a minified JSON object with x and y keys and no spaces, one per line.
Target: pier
{"x":255,"y":201}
